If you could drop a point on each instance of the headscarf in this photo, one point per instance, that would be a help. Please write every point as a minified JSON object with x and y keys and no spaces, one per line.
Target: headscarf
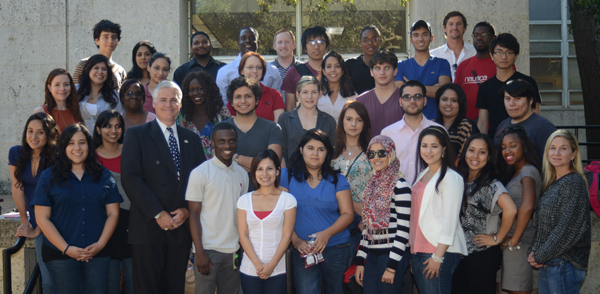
{"x":379,"y":191}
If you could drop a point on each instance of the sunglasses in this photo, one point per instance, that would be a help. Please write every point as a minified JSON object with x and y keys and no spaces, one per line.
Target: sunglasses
{"x":379,"y":153}
{"x":514,"y":128}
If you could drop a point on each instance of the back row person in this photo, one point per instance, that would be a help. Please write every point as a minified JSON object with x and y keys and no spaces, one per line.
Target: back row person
{"x":201,"y":49}
{"x":455,"y":51}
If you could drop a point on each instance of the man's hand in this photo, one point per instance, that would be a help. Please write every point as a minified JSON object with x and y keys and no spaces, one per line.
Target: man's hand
{"x":180,"y":215}
{"x":203,"y":263}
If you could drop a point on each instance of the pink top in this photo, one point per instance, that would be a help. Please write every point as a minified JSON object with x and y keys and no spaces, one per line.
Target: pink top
{"x":418,"y":242}
{"x":148,"y":101}
{"x":262,"y":214}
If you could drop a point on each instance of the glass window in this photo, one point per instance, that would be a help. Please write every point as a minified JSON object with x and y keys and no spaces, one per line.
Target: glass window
{"x":574,"y":80}
{"x":551,"y":98}
{"x":544,"y":48}
{"x":576,"y":98}
{"x":547,"y":72}
{"x":544,"y":32}
{"x":544,"y":9}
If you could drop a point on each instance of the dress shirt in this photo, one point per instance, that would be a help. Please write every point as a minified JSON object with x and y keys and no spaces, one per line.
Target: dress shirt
{"x":163,"y":127}
{"x":406,"y":141}
{"x":445,"y":52}
{"x":230,"y":71}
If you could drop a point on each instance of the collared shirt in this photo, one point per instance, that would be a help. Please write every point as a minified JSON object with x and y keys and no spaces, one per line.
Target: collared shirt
{"x":212,"y":67}
{"x":361,"y":74}
{"x":406,"y":141}
{"x":445,"y":52}
{"x":166,"y":133}
{"x":283,"y":70}
{"x":218,"y":187}
{"x":230,"y":71}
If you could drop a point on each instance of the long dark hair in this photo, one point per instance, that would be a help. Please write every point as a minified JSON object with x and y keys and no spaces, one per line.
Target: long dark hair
{"x":137,"y":72}
{"x":52,"y":132}
{"x":346,"y":88}
{"x":212,"y":97}
{"x":508,"y":171}
{"x":63,"y":165}
{"x":340,"y":133}
{"x":265,"y":154}
{"x":448,"y":157}
{"x":462,"y":104}
{"x":72,"y":101}
{"x":297,"y":167}
{"x":102,"y":121}
{"x":108,"y":88}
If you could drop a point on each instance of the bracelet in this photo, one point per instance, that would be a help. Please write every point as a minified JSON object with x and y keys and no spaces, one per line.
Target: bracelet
{"x":387,"y":269}
{"x":66,"y":248}
{"x":495,"y":239}
{"x":513,"y":248}
{"x":437,"y":259}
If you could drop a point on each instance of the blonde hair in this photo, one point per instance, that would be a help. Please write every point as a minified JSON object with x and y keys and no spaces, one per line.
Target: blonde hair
{"x":307,"y":80}
{"x":548,"y":170}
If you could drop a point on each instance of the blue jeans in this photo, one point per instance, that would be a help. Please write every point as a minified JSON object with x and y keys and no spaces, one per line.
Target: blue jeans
{"x":47,"y":285}
{"x":74,"y":277}
{"x":114,"y":276}
{"x":375,"y":266}
{"x":560,"y":277}
{"x":327,"y":275}
{"x":437,"y":285}
{"x":255,"y":285}
{"x":354,"y":240}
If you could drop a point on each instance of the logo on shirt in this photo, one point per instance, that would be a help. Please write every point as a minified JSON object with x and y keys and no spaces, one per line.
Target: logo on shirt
{"x":433,"y":72}
{"x":475,"y":80}
{"x":241,"y":185}
{"x":268,"y":103}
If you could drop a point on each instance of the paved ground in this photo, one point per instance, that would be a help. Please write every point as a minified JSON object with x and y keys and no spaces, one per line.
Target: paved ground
{"x":8,"y":204}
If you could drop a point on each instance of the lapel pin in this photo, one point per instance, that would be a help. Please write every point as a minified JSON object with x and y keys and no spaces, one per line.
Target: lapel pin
{"x":185,"y":141}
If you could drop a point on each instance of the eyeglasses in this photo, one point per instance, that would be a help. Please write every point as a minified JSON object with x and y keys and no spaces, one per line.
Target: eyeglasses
{"x":482,"y":35}
{"x":317,"y":42}
{"x":252,"y":68}
{"x":514,"y":128}
{"x":416,"y":97}
{"x":507,"y":53}
{"x":371,"y":41}
{"x":131,"y":94}
{"x":380,"y":153}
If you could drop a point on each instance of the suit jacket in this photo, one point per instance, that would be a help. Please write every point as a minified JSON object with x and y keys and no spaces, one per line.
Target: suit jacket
{"x":292,"y":131}
{"x":149,"y":177}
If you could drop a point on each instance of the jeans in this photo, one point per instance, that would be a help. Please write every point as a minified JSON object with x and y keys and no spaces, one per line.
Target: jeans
{"x":375,"y":265}
{"x":437,"y":285}
{"x":114,"y":276}
{"x":255,"y":285}
{"x":560,"y":277}
{"x":47,"y":285}
{"x":327,"y":275}
{"x":354,"y":240}
{"x":74,"y":277}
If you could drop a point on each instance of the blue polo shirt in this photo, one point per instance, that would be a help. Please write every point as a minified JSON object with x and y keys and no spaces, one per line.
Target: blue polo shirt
{"x":78,"y":206}
{"x":317,"y":208}
{"x":427,"y":74}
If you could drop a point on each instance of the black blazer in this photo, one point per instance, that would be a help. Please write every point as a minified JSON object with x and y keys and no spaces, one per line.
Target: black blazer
{"x":149,"y":178}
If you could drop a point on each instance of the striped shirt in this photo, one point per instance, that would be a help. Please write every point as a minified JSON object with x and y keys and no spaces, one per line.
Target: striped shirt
{"x":397,"y":230}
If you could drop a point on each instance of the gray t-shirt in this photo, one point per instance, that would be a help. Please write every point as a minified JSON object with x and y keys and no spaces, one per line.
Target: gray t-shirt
{"x":515,"y":190}
{"x":483,"y":213}
{"x":537,"y":127}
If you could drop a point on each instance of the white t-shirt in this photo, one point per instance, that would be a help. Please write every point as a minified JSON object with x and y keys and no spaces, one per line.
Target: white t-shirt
{"x":265,"y":234}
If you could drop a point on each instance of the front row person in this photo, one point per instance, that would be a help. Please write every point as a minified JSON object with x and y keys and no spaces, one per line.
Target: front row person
{"x":266,"y":219}
{"x":324,"y":212}
{"x":562,"y":243}
{"x":77,"y":207}
{"x":381,"y":261}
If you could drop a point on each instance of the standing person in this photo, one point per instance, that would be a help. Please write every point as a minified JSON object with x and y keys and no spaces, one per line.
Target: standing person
{"x":386,"y":214}
{"x":455,"y":51}
{"x":140,"y":57}
{"x":358,"y":67}
{"x":26,"y":163}
{"x":266,"y":219}
{"x":519,"y":168}
{"x":107,"y":36}
{"x":431,"y":71}
{"x":307,"y":116}
{"x":452,"y":109}
{"x":132,"y":98}
{"x":490,"y":97}
{"x":202,"y":108}
{"x":484,"y":228}
{"x":96,"y":91}
{"x":156,"y":161}
{"x":77,"y":264}
{"x":108,"y":142}
{"x":159,"y":68}
{"x":350,"y":158}
{"x":382,"y":102}
{"x":406,"y":131}
{"x":254,"y":133}
{"x":336,"y":85}
{"x":201,"y":49}
{"x":253,"y":66}
{"x":315,"y":42}
{"x":324,"y":213}
{"x":284,"y":43}
{"x":214,"y":189}
{"x":437,"y":240}
{"x":561,"y":247}
{"x":247,"y":42}
{"x":60,"y":100}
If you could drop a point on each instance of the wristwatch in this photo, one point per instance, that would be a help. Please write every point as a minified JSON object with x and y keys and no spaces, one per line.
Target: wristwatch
{"x":158,"y":215}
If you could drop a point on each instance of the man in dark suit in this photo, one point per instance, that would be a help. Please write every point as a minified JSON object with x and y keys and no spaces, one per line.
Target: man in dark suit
{"x":157,"y":159}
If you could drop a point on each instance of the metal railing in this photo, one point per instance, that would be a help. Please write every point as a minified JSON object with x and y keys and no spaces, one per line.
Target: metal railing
{"x":7,"y":273}
{"x":576,"y":132}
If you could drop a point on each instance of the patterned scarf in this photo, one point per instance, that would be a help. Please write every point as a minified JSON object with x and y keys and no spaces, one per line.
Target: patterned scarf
{"x":379,"y":191}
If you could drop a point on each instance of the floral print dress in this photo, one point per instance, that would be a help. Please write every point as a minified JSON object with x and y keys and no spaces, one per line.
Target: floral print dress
{"x":206,"y":132}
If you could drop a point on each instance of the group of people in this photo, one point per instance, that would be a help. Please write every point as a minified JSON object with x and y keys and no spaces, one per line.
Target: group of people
{"x":369,"y":161}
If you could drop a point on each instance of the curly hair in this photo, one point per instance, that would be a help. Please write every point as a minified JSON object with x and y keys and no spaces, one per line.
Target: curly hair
{"x":52,"y":132}
{"x":108,"y":88}
{"x":212,"y":97}
{"x":72,"y":101}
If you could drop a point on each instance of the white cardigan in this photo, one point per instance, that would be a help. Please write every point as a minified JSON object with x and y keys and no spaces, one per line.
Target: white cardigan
{"x":439,"y":216}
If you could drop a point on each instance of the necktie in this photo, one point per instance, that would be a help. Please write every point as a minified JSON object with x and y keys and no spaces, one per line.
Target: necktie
{"x":173,"y":148}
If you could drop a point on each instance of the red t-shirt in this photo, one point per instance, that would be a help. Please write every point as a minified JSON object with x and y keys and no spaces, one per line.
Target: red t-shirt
{"x":270,"y":101}
{"x":112,"y":164}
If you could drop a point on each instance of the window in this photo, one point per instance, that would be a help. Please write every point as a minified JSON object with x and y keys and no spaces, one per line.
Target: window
{"x":222,"y":20}
{"x":552,"y":53}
